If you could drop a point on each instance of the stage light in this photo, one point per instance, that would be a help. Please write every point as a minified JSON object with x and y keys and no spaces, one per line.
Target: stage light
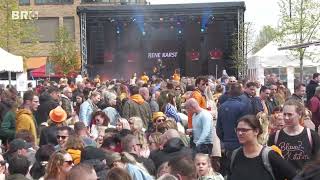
{"x":143,"y":33}
{"x":134,"y":19}
{"x":202,"y":30}
{"x":118,"y":32}
{"x":179,"y":31}
{"x":161,"y":19}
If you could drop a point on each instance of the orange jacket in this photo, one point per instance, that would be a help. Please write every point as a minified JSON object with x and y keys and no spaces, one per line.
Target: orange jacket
{"x":196,"y":94}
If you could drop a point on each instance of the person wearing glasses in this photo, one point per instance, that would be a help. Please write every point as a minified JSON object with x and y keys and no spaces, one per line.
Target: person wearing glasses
{"x":63,"y":134}
{"x":48,"y":135}
{"x":248,"y":163}
{"x":58,"y":166}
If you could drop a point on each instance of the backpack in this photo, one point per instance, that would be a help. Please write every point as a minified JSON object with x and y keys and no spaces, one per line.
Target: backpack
{"x":265,"y":159}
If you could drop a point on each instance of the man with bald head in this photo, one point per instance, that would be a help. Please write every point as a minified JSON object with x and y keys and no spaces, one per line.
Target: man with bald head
{"x":171,"y":147}
{"x":202,"y":127}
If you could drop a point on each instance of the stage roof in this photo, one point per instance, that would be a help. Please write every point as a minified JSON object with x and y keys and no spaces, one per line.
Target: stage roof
{"x":217,"y":7}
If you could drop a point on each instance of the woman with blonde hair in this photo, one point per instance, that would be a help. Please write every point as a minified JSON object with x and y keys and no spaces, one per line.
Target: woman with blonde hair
{"x":122,"y":124}
{"x":58,"y":166}
{"x":154,"y":141}
{"x":74,"y":146}
{"x":137,"y":129}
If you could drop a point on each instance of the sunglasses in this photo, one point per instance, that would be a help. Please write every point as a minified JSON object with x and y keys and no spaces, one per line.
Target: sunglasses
{"x":62,"y":137}
{"x":160,"y":120}
{"x":69,"y":162}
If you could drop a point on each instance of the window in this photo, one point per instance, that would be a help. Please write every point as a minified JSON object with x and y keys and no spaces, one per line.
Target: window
{"x":54,"y":1}
{"x":68,"y":23}
{"x":24,"y":2}
{"x":47,"y":29}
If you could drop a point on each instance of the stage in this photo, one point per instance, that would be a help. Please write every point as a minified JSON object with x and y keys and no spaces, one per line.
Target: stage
{"x":117,"y":41}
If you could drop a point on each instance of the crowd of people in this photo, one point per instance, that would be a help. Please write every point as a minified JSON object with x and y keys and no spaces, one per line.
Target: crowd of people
{"x":153,"y":128}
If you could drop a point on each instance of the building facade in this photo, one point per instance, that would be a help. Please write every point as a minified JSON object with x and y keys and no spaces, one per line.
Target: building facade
{"x":53,"y":14}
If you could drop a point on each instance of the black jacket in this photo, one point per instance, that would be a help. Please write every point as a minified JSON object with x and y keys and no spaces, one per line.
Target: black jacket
{"x":46,"y":105}
{"x":49,"y":135}
{"x":172,"y":149}
{"x":311,"y":174}
{"x":311,"y":87}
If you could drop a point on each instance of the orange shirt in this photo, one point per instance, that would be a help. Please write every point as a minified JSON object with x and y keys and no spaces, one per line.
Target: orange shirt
{"x":202,"y":102}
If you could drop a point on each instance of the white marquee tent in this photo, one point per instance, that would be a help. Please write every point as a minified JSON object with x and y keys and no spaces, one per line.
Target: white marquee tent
{"x":10,"y":62}
{"x":270,"y":57}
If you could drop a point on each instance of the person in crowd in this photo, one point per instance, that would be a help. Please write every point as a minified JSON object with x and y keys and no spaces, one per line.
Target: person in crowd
{"x":211,"y":104}
{"x":202,"y":128}
{"x":170,"y":107}
{"x":228,"y":114}
{"x":118,"y":174}
{"x":8,"y":123}
{"x":154,"y":141}
{"x":63,"y":134}
{"x":171,"y":146}
{"x":248,"y":162}
{"x":81,"y":130}
{"x":122,"y":124}
{"x":144,"y":77}
{"x":310,"y":171}
{"x":183,"y":168}
{"x":314,"y":106}
{"x":198,"y":94}
{"x":157,"y":119}
{"x":95,"y":157}
{"x":18,"y":168}
{"x":110,"y":144}
{"x":100,"y":122}
{"x":127,"y":162}
{"x":131,"y":144}
{"x":111,"y":110}
{"x":29,"y":140}
{"x":306,"y":141}
{"x":276,"y":120}
{"x":42,"y":157}
{"x":299,"y":93}
{"x":249,"y":97}
{"x":137,"y":106}
{"x":217,"y":93}
{"x":58,"y":166}
{"x":272,"y":101}
{"x":136,"y":124}
{"x":16,"y":146}
{"x":79,"y":99}
{"x":49,"y":100}
{"x":49,"y":134}
{"x":74,"y":146}
{"x":88,"y":107}
{"x":24,"y":118}
{"x":82,"y":172}
{"x":311,"y":87}
{"x":204,"y":168}
{"x":264,"y":96}
{"x":66,"y":102}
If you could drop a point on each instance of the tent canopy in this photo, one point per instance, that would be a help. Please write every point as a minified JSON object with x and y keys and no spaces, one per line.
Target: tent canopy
{"x":10,"y":62}
{"x":270,"y":57}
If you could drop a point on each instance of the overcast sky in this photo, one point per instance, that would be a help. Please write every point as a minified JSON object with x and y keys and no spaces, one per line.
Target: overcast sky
{"x":260,"y":12}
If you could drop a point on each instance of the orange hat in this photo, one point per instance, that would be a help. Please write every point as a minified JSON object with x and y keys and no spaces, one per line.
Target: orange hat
{"x":156,"y":115}
{"x":58,"y":115}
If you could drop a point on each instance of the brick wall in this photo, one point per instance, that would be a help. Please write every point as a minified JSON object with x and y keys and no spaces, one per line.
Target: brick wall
{"x":65,"y":10}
